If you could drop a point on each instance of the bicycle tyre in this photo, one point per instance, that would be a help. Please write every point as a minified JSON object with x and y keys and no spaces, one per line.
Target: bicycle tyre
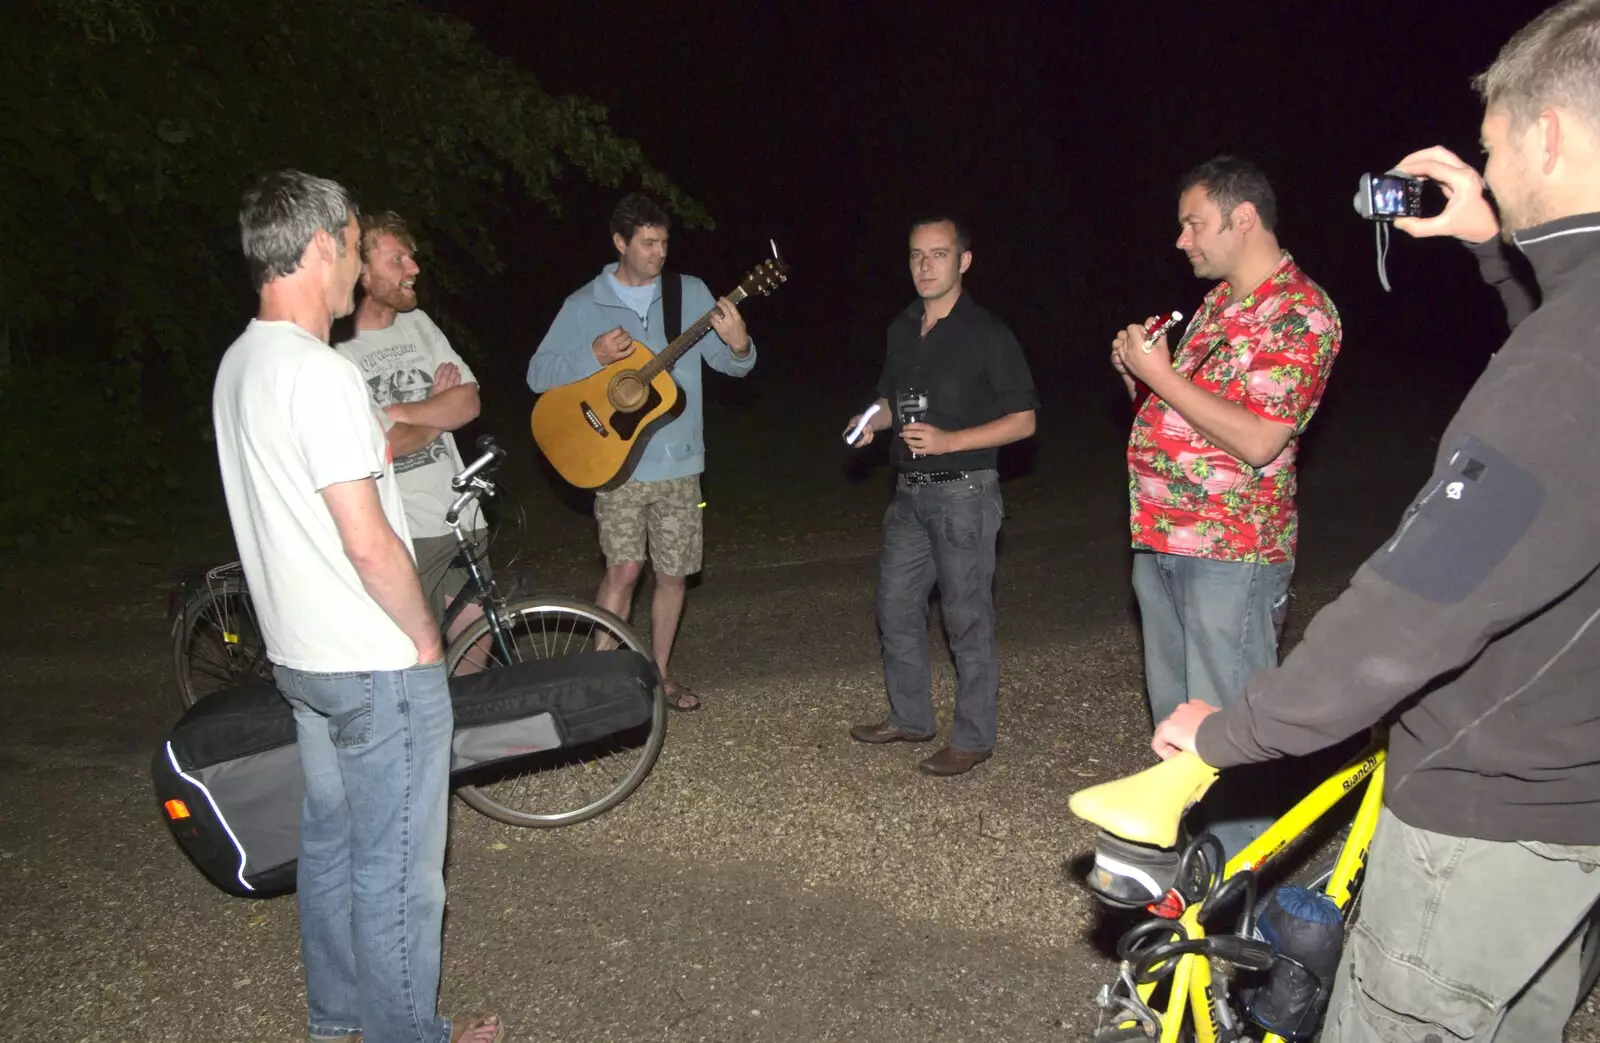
{"x":220,"y":617}
{"x":1315,"y":876}
{"x":1120,"y":1035}
{"x":537,"y":782}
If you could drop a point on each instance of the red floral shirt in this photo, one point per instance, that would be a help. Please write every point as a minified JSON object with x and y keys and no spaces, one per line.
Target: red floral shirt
{"x":1270,"y":351}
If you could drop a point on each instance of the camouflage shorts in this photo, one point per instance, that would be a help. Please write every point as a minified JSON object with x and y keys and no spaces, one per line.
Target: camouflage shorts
{"x":667,"y":513}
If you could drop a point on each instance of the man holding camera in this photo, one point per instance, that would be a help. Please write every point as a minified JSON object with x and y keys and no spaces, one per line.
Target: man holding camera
{"x":1211,"y":457}
{"x":1473,"y":630}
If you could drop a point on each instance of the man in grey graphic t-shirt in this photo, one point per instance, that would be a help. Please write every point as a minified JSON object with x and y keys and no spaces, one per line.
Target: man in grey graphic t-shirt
{"x":424,"y":391}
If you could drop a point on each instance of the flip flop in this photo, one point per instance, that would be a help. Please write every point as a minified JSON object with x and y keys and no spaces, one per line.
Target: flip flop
{"x":465,"y":1025}
{"x":676,"y":694}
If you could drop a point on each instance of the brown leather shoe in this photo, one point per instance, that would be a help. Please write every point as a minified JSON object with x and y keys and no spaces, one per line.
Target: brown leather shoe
{"x":951,"y":761}
{"x":884,"y":732}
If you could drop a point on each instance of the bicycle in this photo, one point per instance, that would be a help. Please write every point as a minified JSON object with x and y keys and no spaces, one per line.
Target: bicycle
{"x":1173,"y":947}
{"x":217,"y":643}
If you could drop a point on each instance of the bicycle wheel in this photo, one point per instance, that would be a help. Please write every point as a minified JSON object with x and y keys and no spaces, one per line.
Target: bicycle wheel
{"x":573,"y":784}
{"x":217,"y":641}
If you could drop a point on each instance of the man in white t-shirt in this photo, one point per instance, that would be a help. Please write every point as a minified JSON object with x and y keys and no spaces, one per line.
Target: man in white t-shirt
{"x":425,"y":391}
{"x":317,"y":518}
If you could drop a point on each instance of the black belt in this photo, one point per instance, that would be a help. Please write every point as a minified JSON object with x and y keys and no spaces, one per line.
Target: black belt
{"x":932,"y":477}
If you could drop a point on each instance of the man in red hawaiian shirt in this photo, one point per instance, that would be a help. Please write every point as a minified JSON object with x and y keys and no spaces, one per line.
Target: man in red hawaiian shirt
{"x":1211,"y":458}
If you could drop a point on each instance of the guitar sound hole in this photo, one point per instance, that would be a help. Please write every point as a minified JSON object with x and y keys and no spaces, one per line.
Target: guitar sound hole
{"x":627,"y":392}
{"x":626,"y":425}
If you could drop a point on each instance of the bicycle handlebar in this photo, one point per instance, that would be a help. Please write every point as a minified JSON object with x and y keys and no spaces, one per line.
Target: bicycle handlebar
{"x":474,"y":480}
{"x":492,"y":455}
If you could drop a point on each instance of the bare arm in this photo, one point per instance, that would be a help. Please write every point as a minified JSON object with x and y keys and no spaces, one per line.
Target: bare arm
{"x":408,"y":438}
{"x":1229,"y":426}
{"x":1013,"y":427}
{"x":383,"y":562}
{"x":445,"y":411}
{"x":413,"y":425}
{"x":934,"y":441}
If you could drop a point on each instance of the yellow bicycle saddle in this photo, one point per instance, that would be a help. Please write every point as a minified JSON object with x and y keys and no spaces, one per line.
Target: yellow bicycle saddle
{"x":1146,"y":807}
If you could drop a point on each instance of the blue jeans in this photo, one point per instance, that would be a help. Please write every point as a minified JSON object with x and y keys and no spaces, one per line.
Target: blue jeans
{"x":1208,"y":625}
{"x":375,"y":749}
{"x":946,"y":534}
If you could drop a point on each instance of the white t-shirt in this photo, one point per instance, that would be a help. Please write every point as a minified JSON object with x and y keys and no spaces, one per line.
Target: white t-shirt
{"x":398,"y":363}
{"x":292,"y":417}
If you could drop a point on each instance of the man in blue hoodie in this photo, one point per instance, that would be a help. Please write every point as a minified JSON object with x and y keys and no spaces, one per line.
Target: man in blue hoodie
{"x":658,"y":508}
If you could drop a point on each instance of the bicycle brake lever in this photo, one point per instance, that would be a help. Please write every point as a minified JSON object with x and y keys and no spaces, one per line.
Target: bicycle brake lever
{"x":1246,"y":953}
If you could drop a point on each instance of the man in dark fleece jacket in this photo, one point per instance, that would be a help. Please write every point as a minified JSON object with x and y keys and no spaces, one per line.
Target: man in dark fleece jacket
{"x":1474,"y":632}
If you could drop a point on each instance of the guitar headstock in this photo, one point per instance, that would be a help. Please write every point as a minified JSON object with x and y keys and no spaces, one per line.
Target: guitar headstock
{"x":765,"y":277}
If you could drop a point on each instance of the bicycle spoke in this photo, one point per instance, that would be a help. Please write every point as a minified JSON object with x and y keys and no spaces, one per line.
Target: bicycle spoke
{"x":223,"y":644}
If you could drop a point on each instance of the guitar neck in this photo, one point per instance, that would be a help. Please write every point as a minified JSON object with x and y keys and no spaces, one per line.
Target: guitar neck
{"x":685,"y":340}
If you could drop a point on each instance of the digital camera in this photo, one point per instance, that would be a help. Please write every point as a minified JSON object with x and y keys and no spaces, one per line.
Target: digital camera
{"x":1384,"y":197}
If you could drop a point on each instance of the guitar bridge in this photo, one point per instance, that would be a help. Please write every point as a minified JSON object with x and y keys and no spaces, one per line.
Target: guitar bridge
{"x":594,"y":420}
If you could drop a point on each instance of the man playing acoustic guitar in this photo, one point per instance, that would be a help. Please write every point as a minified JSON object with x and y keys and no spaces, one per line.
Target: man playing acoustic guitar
{"x":658,"y":507}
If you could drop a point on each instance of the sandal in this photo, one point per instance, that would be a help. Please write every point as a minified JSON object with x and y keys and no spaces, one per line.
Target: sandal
{"x":478,"y":1021}
{"x":681,"y":697}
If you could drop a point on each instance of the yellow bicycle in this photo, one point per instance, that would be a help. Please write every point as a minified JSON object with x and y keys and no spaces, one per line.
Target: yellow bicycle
{"x":1171,"y":958}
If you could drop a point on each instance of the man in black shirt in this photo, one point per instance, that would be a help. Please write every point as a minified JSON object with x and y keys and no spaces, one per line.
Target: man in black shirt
{"x":955,"y":387}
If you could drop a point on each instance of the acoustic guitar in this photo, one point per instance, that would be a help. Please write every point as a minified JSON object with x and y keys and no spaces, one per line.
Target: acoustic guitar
{"x":593,"y":430}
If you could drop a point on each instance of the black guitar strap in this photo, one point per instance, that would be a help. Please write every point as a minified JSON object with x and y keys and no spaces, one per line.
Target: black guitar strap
{"x":672,"y":304}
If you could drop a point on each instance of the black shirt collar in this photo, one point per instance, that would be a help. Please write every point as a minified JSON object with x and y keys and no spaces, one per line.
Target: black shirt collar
{"x":958,"y":310}
{"x":1557,"y":249}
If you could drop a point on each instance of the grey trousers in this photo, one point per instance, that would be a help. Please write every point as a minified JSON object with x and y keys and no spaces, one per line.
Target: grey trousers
{"x":945,"y":534}
{"x":1461,"y":939}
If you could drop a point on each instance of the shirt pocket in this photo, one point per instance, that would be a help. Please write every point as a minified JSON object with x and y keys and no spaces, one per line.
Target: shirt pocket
{"x":687,"y":448}
{"x":962,"y":395}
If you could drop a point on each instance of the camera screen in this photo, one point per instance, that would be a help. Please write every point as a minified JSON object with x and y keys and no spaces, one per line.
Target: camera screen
{"x":1388,"y":196}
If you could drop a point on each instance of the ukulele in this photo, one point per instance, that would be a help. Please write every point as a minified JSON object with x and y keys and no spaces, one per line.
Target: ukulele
{"x":593,"y":430}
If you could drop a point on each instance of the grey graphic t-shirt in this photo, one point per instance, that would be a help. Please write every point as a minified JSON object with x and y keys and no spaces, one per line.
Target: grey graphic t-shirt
{"x":398,"y":364}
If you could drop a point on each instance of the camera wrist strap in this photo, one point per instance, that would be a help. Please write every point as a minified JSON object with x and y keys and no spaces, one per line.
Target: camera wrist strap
{"x":1380,"y":231}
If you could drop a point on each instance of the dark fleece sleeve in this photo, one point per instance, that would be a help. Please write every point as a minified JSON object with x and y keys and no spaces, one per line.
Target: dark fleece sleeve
{"x":1507,"y":271}
{"x":1506,"y":524}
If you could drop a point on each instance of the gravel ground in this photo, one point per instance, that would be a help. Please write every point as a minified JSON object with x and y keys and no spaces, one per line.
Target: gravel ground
{"x":772,"y":880}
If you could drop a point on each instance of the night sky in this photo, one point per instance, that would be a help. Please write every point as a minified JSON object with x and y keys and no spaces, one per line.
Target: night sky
{"x":1059,"y":138}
